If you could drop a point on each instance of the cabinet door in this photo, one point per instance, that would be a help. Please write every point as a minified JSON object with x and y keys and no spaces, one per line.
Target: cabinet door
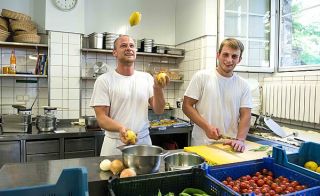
{"x":9,"y":152}
{"x":43,"y":157}
{"x":79,"y":154}
{"x":79,"y":144}
{"x":42,"y":146}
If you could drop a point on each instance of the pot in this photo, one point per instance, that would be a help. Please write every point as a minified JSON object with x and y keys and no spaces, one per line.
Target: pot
{"x":144,"y":159}
{"x":91,"y":122}
{"x":46,"y":123}
{"x":182,"y":160}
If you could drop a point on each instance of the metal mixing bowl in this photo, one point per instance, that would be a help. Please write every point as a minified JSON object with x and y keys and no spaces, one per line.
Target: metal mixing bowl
{"x":182,"y":160}
{"x":144,"y":159}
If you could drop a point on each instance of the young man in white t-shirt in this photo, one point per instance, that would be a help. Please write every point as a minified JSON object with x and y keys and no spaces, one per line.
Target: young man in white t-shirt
{"x":219,"y":101}
{"x":121,"y":97}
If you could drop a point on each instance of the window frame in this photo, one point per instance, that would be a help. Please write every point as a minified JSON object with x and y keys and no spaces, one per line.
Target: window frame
{"x":288,"y":68}
{"x":273,"y":41}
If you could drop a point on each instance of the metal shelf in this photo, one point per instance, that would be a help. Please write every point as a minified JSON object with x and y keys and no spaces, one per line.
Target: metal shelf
{"x":138,"y":53}
{"x":93,"y":78}
{"x":23,"y":76}
{"x":18,"y":44}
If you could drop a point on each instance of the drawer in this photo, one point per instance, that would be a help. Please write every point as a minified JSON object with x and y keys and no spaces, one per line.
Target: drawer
{"x":42,"y":146}
{"x":79,"y":154}
{"x":43,"y":157}
{"x":79,"y":144}
{"x":9,"y":152}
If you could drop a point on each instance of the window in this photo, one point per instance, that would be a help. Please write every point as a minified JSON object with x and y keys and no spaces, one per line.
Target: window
{"x":299,"y":36}
{"x":251,"y":22}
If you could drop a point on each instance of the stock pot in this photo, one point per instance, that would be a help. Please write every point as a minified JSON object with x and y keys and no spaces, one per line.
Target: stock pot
{"x":46,"y":123}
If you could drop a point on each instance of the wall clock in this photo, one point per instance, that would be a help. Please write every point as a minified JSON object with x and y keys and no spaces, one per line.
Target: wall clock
{"x":65,"y":5}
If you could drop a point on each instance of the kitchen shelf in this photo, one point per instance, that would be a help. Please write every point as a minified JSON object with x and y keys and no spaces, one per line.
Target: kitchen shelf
{"x":93,"y":78}
{"x":23,"y":76}
{"x":138,"y":53}
{"x":18,"y":44}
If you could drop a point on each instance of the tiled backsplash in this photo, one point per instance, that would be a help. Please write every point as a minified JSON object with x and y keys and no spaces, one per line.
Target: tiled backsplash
{"x":21,"y":90}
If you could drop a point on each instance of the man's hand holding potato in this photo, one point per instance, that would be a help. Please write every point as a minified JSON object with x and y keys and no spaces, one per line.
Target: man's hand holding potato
{"x":161,"y":80}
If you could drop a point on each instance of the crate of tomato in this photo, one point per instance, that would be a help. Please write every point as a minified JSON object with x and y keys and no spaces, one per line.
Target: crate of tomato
{"x":261,"y":177}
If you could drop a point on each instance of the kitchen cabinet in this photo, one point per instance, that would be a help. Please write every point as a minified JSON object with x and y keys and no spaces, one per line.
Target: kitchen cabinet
{"x":79,"y":147}
{"x":10,"y":152}
{"x":42,"y":150}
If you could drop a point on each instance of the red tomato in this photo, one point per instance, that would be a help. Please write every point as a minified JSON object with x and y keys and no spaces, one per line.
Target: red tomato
{"x":258,"y":174}
{"x":278,"y":189}
{"x":225,"y":182}
{"x":270,"y":173}
{"x":236,"y":189}
{"x":294,"y":183}
{"x":272,"y":192}
{"x":260,"y":182}
{"x":264,"y":171}
{"x":290,"y":189}
{"x":229,"y":179}
{"x":298,"y":188}
{"x":274,"y":185}
{"x":244,"y":185}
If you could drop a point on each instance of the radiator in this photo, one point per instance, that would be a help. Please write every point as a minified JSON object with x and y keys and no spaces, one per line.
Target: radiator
{"x":300,"y":102}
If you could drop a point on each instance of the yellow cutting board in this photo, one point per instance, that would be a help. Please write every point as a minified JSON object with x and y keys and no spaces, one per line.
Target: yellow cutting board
{"x":218,"y":153}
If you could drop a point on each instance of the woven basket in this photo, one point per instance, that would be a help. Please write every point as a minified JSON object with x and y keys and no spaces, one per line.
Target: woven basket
{"x":34,"y":31}
{"x":21,"y":25}
{"x":3,"y":24}
{"x":14,"y":15}
{"x":27,"y":38}
{"x":4,"y":32}
{"x":3,"y":37}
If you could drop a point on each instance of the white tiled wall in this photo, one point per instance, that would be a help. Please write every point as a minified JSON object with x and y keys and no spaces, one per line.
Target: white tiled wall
{"x":14,"y":90}
{"x":64,"y":70}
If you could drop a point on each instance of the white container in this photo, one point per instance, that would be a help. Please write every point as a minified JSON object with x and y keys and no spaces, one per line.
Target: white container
{"x":95,"y":40}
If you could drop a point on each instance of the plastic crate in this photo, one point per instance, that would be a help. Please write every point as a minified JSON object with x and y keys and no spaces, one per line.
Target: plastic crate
{"x":175,"y":181}
{"x":309,"y":151}
{"x":72,"y":181}
{"x":220,"y":173}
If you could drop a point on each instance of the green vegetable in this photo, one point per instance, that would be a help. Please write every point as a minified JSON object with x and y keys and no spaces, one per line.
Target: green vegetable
{"x":193,"y":191}
{"x":159,"y":193}
{"x":184,"y":194}
{"x":261,"y":148}
{"x":269,"y":153}
{"x":169,"y":194}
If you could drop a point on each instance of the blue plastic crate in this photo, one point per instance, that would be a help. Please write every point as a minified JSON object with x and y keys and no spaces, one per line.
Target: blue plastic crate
{"x":72,"y":181}
{"x":309,"y":151}
{"x":220,"y":173}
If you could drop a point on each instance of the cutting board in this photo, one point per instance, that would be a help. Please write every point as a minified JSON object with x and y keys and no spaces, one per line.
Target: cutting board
{"x":217,"y":153}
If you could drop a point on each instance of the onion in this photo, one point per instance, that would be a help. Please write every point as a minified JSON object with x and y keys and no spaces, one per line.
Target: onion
{"x":129,"y":172}
{"x":116,"y":166}
{"x":105,"y":165}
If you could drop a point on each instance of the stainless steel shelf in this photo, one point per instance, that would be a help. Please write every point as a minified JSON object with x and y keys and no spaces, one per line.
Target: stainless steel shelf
{"x":23,"y":76}
{"x":93,"y":78}
{"x":138,"y":53}
{"x":23,"y":44}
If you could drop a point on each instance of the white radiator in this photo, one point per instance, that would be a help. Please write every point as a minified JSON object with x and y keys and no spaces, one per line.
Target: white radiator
{"x":300,"y":102}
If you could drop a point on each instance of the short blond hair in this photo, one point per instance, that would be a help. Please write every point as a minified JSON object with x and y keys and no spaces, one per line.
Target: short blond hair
{"x":232,"y":43}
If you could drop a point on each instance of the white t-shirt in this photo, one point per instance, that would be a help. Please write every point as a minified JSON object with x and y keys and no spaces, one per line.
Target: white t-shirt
{"x":219,"y":102}
{"x":127,"y":97}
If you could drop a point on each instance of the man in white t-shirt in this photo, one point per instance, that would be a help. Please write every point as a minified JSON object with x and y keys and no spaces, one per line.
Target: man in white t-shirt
{"x":121,"y":97}
{"x":219,"y":101}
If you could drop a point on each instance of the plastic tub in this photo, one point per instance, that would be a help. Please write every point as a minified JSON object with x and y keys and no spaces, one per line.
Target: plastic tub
{"x":220,"y":173}
{"x":72,"y":181}
{"x":309,"y":151}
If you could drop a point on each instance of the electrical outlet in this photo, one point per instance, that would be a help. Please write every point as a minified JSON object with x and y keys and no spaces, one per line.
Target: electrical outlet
{"x":19,"y":97}
{"x":25,"y":98}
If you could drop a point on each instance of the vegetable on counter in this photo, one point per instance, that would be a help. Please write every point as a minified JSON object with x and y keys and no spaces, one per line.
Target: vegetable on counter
{"x":187,"y":192}
{"x":261,"y":148}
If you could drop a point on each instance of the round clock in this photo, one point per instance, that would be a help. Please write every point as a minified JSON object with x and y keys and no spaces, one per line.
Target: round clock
{"x":65,"y":5}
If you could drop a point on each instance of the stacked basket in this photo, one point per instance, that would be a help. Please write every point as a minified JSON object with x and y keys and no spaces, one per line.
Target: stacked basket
{"x":24,"y":30}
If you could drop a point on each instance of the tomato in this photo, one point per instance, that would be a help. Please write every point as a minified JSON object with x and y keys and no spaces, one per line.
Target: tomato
{"x":283,"y":187}
{"x":272,"y":192}
{"x":257,"y":191}
{"x":229,"y":179}
{"x":274,"y":185}
{"x":244,"y":190}
{"x":298,"y":188}
{"x":264,"y":171}
{"x":258,"y":174}
{"x":260,"y":182}
{"x":270,"y":177}
{"x":231,"y":183}
{"x":303,"y":187}
{"x":278,"y":189}
{"x":243,"y":178}
{"x":270,"y":173}
{"x":294,"y":183}
{"x":236,"y":189}
{"x":243,"y":185}
{"x":255,"y":178}
{"x":225,"y":182}
{"x":264,"y":190}
{"x":290,"y":189}
{"x":248,"y":177}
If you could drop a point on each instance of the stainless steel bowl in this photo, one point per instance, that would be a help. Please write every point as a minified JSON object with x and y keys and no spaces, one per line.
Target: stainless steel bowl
{"x":144,"y":159}
{"x":182,"y":160}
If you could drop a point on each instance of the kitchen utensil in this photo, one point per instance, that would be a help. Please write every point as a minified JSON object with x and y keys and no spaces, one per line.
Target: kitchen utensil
{"x":95,"y":40}
{"x":275,"y":127}
{"x":17,"y":123}
{"x":46,"y":123}
{"x":217,"y":153}
{"x":100,"y":68}
{"x":181,"y":161}
{"x":91,"y":122}
{"x":144,"y":159}
{"x":48,"y":110}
